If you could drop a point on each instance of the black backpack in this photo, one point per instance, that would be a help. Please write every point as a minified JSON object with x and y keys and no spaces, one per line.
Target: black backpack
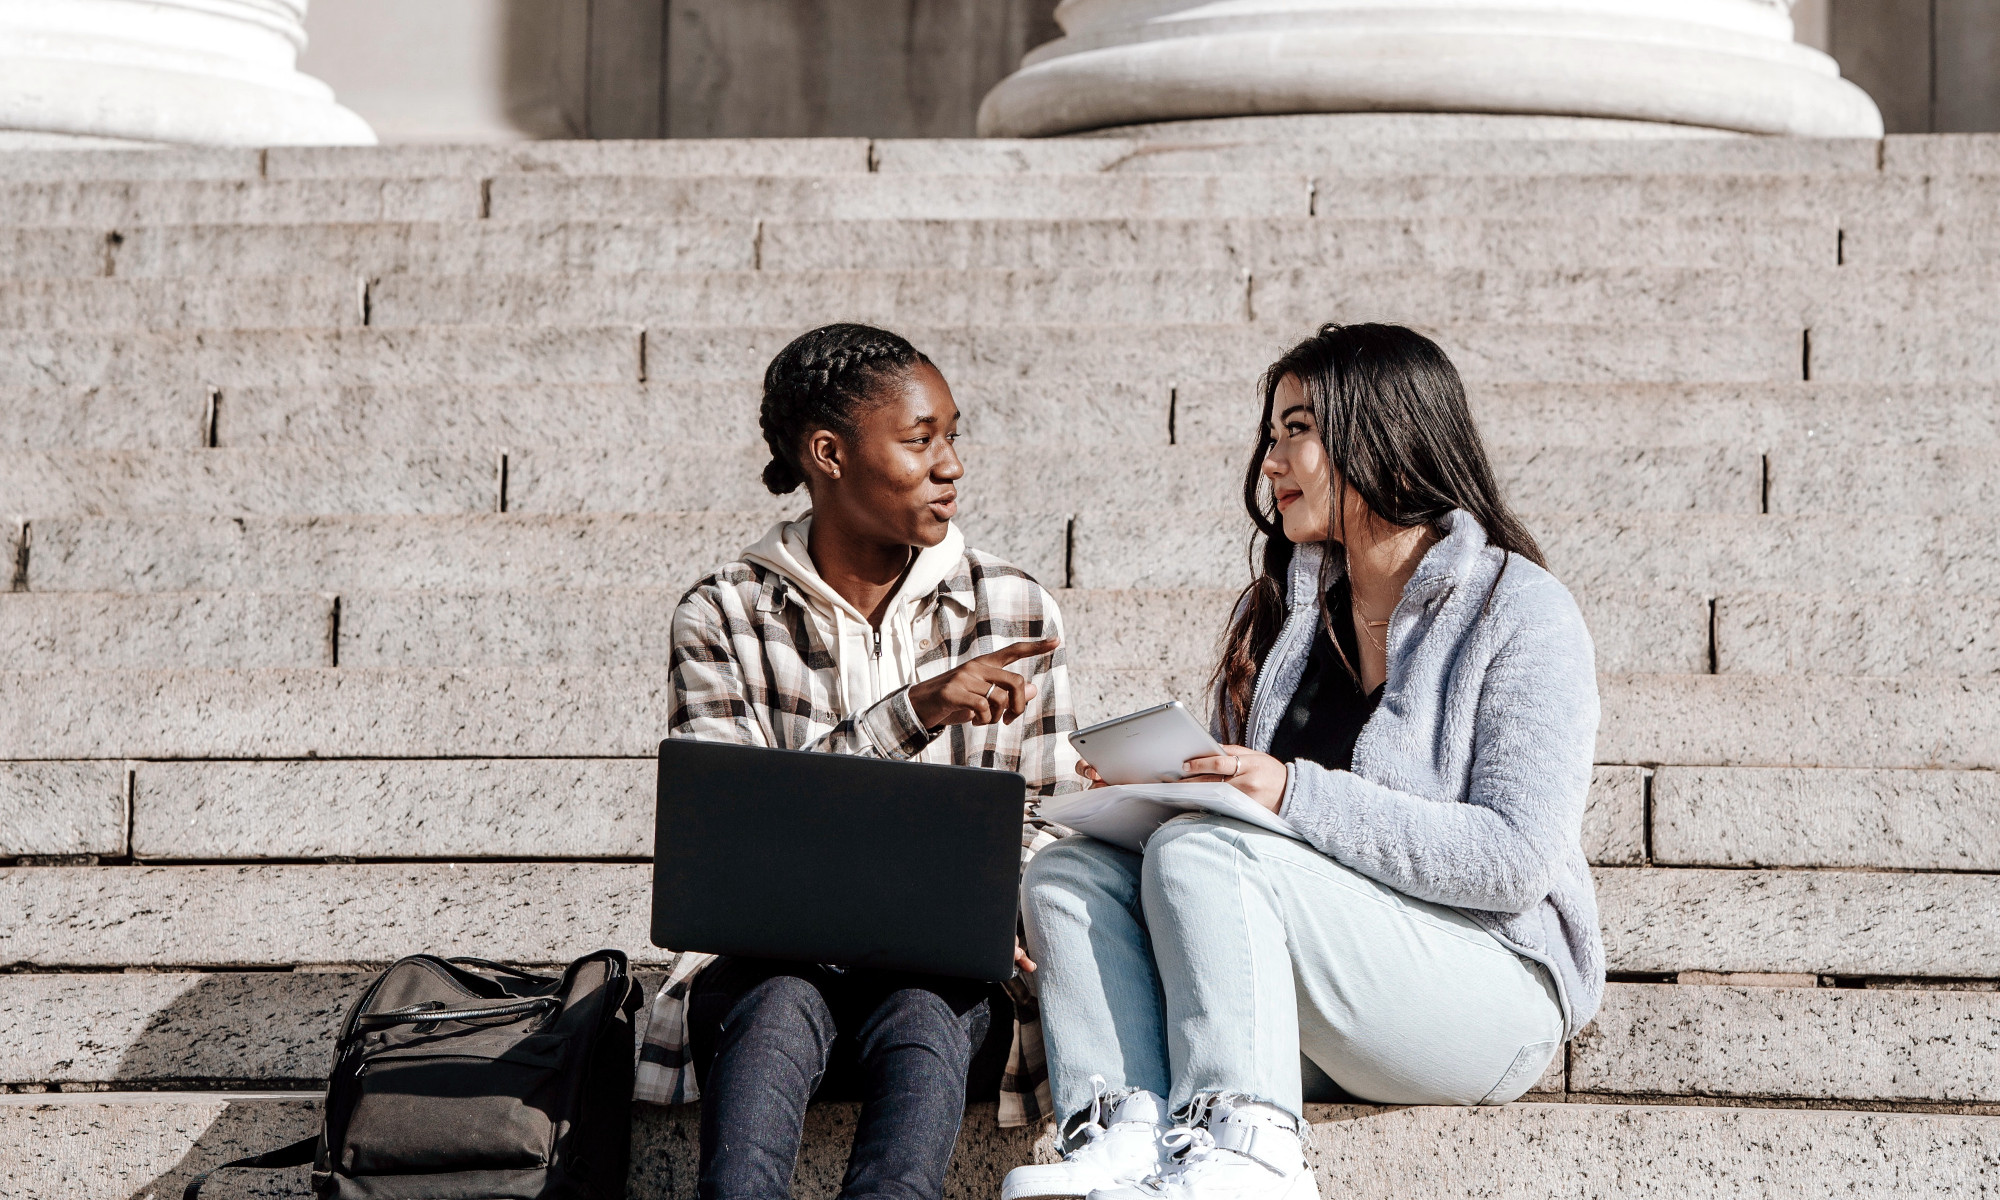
{"x":461,"y":1078}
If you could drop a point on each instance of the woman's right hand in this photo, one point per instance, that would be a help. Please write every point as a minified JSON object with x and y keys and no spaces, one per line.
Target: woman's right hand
{"x":1089,"y":772}
{"x":980,"y":690}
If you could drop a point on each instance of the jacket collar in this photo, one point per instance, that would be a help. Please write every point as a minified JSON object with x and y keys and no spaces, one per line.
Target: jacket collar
{"x":1443,"y":567}
{"x":939,"y":572}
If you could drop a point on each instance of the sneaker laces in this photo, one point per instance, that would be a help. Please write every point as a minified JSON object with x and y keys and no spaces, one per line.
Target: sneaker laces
{"x":1101,"y":1102}
{"x":1189,"y":1141}
{"x":1192,"y":1142}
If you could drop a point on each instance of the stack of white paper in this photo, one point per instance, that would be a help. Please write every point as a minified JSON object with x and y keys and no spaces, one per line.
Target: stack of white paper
{"x":1127,"y":814}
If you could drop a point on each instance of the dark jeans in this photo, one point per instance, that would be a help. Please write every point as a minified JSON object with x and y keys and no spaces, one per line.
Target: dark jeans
{"x":766,"y":1037}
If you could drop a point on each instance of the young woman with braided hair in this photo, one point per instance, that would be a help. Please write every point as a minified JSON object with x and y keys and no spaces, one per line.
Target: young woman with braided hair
{"x":868,"y":627}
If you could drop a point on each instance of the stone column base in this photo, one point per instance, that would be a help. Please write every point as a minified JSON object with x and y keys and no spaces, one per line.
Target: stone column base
{"x":1725,"y":64}
{"x":191,"y":72}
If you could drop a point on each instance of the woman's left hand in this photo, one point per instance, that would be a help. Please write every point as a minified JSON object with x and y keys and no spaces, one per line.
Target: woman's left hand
{"x":1258,"y":776}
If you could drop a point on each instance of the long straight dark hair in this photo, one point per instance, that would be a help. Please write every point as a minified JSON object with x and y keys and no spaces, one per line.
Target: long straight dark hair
{"x":1391,"y":412}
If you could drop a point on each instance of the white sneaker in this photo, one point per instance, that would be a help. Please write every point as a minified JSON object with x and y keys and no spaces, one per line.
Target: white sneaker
{"x":1117,"y":1146}
{"x":1229,"y":1150}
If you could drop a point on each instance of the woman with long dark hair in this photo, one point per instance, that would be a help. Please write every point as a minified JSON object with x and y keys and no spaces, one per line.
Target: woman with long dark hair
{"x":1407,"y":686}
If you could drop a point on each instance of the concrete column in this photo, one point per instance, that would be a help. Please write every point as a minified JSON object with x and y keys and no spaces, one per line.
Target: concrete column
{"x":1723,"y":64}
{"x":198,"y":72}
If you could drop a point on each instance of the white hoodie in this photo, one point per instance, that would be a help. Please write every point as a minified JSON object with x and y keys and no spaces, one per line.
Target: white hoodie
{"x":872,"y":664}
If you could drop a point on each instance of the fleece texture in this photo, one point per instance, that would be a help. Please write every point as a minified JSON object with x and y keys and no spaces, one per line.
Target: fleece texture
{"x":1469,"y":781}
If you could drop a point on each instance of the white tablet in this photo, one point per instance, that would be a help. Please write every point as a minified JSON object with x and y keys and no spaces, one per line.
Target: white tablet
{"x":1144,"y":747}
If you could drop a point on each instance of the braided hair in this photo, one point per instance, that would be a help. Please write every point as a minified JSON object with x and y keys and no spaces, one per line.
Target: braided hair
{"x":821,"y":381}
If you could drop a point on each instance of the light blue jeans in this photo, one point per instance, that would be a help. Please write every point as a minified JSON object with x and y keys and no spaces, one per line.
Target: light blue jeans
{"x":1230,"y":959}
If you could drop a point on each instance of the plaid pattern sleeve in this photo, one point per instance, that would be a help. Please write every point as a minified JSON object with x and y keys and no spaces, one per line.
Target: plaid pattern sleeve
{"x":747,"y":667}
{"x":723,"y":632}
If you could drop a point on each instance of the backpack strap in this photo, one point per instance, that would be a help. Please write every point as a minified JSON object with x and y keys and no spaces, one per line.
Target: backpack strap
{"x":298,"y":1154}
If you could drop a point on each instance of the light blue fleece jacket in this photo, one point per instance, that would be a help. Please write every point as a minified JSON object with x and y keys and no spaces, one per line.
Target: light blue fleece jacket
{"x":1469,"y":781}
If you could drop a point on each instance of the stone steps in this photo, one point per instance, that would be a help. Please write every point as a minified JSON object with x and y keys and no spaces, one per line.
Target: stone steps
{"x":582,"y":808}
{"x":1738,"y":632}
{"x":111,"y":1147}
{"x":135,"y":251}
{"x":1918,"y":722}
{"x":516,"y":197}
{"x":1926,"y":925}
{"x":1287,"y":297}
{"x":1130,"y":353}
{"x":1744,"y":388}
{"x":683,"y":477}
{"x":677,"y":477}
{"x":607,"y":627}
{"x":1701,"y":552}
{"x":845,"y":156}
{"x":1901,"y":1045}
{"x":1913,"y":820}
{"x":1133,"y":355}
{"x":1271,"y":188}
{"x":485,"y":553}
{"x":1174,"y":548}
{"x":1764,"y":416}
{"x":563,"y":355}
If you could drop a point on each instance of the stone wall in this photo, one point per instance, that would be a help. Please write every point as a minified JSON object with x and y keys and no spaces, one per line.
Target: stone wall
{"x":487,"y":70}
{"x":1933,"y":66}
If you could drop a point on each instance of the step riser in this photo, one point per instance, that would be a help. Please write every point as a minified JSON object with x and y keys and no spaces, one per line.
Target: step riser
{"x":1174,"y":631}
{"x":493,"y":248}
{"x":1837,"y":923}
{"x":493,"y":808}
{"x":1820,"y":1043}
{"x":1867,"y":923}
{"x":1360,"y":243}
{"x":755,"y":156}
{"x":65,"y":809}
{"x":1731,"y":720}
{"x":684,"y":478}
{"x":108,"y":1151}
{"x":1286,"y":297}
{"x":995,"y":412}
{"x":553,"y":198}
{"x":320,"y":358}
{"x":1342,"y":153}
{"x":92,"y":1150}
{"x":193,"y":202}
{"x":1907,"y":820}
{"x":221,"y":630}
{"x":1913,"y":820}
{"x":1702,"y":553}
{"x":878,"y":197}
{"x":1894,"y":634}
{"x":434,"y":356}
{"x":1497,"y":354}
{"x":492,"y":553}
{"x":1648,"y":1040}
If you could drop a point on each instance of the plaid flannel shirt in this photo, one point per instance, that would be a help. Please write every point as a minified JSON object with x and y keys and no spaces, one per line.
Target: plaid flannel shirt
{"x":748,"y":667}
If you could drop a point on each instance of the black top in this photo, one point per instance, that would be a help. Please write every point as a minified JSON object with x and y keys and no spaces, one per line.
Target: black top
{"x":1325,"y":716}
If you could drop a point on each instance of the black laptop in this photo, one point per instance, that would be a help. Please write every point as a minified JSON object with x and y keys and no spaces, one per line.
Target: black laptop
{"x":830,"y":858}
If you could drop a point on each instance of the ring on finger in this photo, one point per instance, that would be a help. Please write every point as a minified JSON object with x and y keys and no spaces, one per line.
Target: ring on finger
{"x":1235,"y":765}
{"x":989,"y":691}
